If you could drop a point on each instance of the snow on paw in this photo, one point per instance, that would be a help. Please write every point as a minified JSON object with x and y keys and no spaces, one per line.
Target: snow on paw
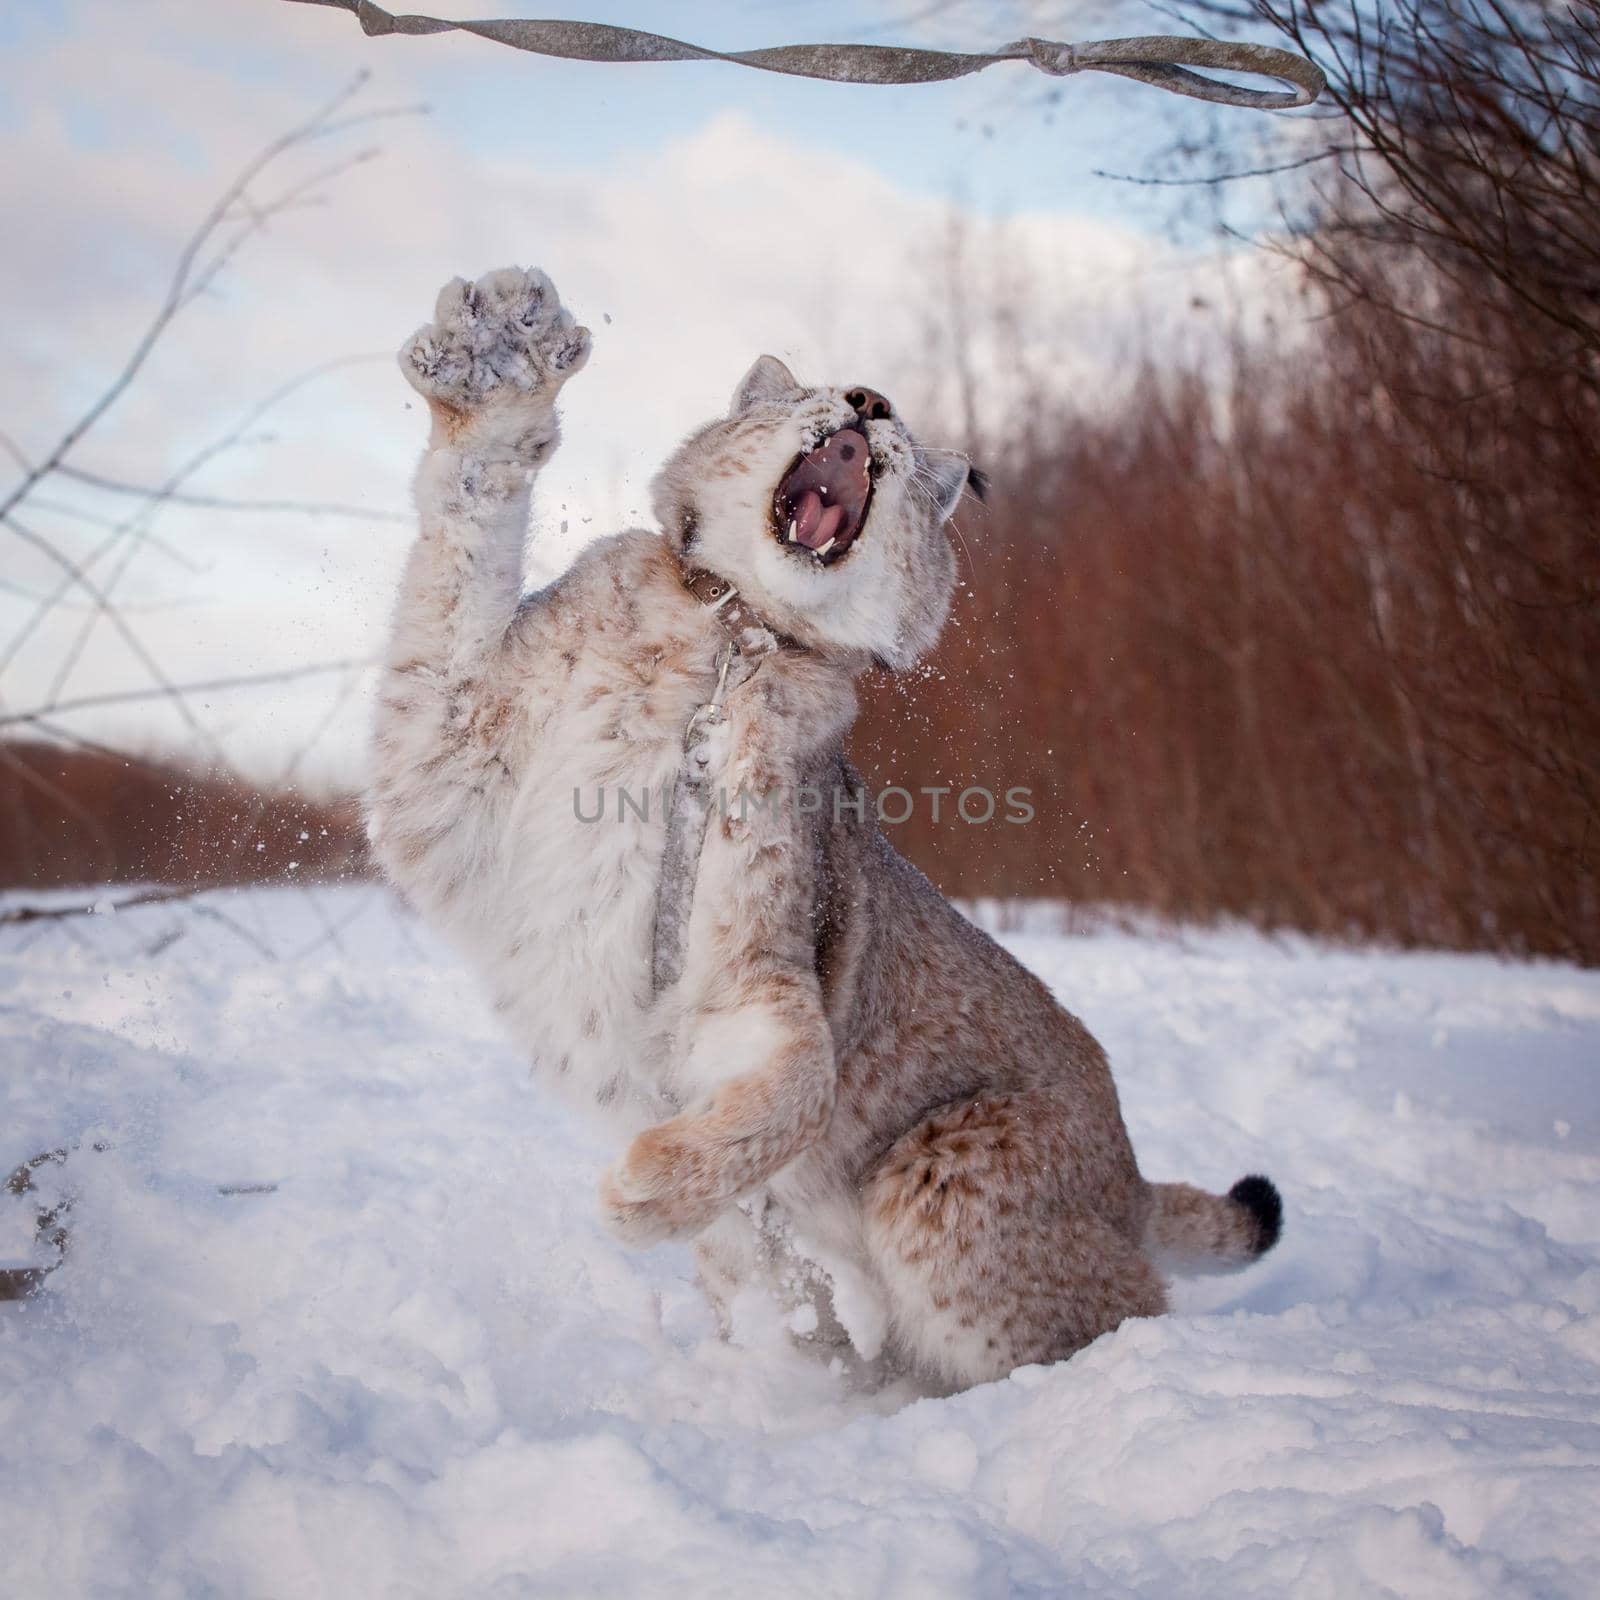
{"x":503,"y":340}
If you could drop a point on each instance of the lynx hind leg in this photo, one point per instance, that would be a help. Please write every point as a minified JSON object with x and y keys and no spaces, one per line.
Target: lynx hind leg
{"x":495,"y":356}
{"x":749,"y":1246}
{"x":989,"y":1260}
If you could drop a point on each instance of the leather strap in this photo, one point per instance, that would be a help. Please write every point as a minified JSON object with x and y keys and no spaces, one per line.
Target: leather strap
{"x":1160,"y":60}
{"x":751,"y":633}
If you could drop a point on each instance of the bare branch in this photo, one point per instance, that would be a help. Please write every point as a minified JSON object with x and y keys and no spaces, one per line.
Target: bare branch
{"x":96,"y":908}
{"x":178,"y":692}
{"x":129,"y":637}
{"x":178,"y":291}
{"x":1332,"y":153}
{"x":211,"y":502}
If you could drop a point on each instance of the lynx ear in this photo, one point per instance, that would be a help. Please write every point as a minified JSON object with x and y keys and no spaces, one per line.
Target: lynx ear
{"x":945,"y":474}
{"x":768,"y":379}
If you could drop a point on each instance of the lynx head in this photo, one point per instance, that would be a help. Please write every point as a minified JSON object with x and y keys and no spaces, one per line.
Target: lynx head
{"x":822,"y":510}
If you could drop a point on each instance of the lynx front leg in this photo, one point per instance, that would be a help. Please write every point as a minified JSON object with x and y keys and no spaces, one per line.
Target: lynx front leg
{"x":677,"y":1177}
{"x":490,"y":365}
{"x":754,"y":1055}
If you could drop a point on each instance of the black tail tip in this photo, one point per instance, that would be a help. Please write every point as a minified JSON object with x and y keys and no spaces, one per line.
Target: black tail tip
{"x":1259,"y":1196}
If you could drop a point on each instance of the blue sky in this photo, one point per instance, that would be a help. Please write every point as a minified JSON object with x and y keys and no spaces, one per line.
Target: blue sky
{"x":696,"y":215}
{"x":994,"y":139}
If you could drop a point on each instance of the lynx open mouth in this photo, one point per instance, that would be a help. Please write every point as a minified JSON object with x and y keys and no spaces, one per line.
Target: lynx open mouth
{"x":821,"y":503}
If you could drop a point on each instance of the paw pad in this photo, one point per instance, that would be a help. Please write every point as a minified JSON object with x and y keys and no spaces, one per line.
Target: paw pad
{"x":501,"y":338}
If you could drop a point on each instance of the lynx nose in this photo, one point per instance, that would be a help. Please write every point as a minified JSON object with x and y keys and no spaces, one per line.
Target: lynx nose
{"x":868,"y":404}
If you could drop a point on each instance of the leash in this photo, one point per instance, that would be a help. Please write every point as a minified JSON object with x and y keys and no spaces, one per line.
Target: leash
{"x":1161,"y":60}
{"x":748,"y":642}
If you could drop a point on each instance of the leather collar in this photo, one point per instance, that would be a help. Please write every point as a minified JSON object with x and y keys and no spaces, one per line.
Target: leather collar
{"x":745,"y":626}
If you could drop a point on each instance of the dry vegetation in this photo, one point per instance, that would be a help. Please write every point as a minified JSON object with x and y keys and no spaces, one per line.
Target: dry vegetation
{"x":1303,"y":666}
{"x":1317,"y":643}
{"x":75,"y":816}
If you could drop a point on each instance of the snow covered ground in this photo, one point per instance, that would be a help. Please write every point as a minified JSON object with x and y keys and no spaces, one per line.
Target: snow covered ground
{"x":418,"y":1368}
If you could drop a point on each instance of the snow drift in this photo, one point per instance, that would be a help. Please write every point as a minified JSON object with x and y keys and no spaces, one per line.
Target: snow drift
{"x":418,"y":1368}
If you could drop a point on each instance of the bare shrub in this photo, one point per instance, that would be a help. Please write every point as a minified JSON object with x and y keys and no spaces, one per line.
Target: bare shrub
{"x":74,"y":816}
{"x":1317,"y":642}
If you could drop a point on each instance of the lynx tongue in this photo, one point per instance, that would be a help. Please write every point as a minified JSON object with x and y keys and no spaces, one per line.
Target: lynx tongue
{"x":814,"y":523}
{"x":821,"y":503}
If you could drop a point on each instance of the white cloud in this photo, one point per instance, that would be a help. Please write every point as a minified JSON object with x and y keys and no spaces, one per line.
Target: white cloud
{"x":701,"y":253}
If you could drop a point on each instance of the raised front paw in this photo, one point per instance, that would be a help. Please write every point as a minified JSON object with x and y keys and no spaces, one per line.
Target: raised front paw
{"x":652,"y":1193}
{"x":502,"y":341}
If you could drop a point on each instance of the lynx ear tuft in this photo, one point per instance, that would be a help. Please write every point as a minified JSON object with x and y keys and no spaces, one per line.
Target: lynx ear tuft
{"x":768,"y":379}
{"x":947,"y":474}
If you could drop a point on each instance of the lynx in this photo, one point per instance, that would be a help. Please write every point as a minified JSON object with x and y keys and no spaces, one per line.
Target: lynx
{"x":841,"y":1079}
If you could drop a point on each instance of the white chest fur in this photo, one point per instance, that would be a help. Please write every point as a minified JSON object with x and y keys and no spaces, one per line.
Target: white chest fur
{"x":546,"y":875}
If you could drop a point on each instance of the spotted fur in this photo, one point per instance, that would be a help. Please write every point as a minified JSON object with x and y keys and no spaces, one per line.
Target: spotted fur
{"x":851,"y":1092}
